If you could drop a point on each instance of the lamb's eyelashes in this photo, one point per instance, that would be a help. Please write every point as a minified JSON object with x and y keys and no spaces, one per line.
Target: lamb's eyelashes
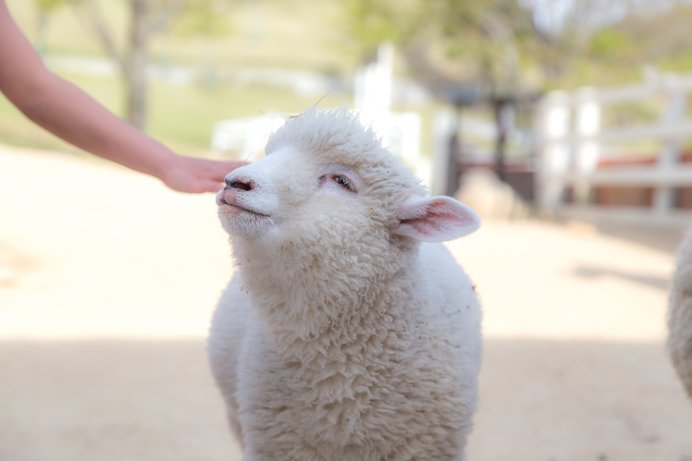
{"x":339,"y":180}
{"x":344,"y":182}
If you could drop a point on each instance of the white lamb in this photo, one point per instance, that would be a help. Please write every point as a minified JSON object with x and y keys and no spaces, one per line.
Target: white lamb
{"x":680,"y":315}
{"x":341,"y":338}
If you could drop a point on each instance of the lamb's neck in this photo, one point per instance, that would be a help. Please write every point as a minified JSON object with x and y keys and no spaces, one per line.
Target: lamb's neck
{"x":298,"y":313}
{"x":323,"y":309}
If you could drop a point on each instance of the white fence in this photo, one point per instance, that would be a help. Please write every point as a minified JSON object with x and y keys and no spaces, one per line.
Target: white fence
{"x":399,"y":131}
{"x":245,"y":137}
{"x":572,"y":141}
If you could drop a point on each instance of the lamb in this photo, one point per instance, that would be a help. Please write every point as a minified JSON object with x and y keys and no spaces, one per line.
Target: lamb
{"x":680,"y":315}
{"x":348,"y":332}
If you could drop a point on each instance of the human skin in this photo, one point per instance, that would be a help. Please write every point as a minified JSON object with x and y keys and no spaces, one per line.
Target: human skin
{"x":63,"y":109}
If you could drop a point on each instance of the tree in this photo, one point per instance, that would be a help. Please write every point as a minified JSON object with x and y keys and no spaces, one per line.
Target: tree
{"x":450,"y":42}
{"x":503,"y":46}
{"x":146,"y":18}
{"x":45,"y":9}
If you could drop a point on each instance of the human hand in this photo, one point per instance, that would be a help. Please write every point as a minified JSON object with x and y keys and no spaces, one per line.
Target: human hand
{"x":195,"y":175}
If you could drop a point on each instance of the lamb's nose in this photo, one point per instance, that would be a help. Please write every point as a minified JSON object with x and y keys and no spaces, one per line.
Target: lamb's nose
{"x":242,"y":184}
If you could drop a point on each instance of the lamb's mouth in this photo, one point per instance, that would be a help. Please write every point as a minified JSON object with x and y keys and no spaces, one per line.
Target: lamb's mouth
{"x":222,"y":203}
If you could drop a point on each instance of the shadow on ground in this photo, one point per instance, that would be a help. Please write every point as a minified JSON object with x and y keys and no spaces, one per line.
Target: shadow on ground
{"x":664,"y":239}
{"x":640,"y":276}
{"x":152,"y":400}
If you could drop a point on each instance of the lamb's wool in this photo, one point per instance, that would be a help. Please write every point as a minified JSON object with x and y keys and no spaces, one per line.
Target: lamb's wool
{"x":338,"y":339}
{"x":680,"y":315}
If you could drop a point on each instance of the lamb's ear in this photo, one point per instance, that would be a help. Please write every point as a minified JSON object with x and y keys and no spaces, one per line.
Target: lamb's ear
{"x":436,"y":219}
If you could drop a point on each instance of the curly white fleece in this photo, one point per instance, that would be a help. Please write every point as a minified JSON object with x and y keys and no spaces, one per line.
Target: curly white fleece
{"x":337,"y":339}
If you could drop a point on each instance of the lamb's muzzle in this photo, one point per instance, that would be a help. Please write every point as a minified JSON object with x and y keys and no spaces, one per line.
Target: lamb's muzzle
{"x":228,"y":201}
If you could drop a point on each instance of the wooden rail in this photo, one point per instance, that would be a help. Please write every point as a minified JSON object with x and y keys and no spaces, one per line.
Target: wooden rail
{"x":573,"y":143}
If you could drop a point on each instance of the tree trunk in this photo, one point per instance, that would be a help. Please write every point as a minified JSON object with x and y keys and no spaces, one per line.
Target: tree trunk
{"x":502,"y":112}
{"x":136,"y":62}
{"x":42,"y":30}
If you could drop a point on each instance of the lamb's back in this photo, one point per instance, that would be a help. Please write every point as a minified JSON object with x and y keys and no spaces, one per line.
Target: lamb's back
{"x":452,"y":301}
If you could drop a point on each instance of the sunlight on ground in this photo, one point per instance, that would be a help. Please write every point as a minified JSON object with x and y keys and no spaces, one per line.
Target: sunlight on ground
{"x":108,"y":281}
{"x":93,"y":250}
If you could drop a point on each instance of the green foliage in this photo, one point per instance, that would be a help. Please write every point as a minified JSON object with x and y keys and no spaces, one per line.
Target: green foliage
{"x":203,"y":17}
{"x":495,"y":43}
{"x":461,"y":18}
{"x":50,"y":5}
{"x":370,"y":23}
{"x":455,"y":40}
{"x":681,"y":63}
{"x":181,"y":116}
{"x":611,"y":43}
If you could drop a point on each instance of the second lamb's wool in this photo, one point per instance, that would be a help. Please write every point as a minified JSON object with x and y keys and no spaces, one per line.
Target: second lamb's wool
{"x":680,"y":315}
{"x":341,"y":337}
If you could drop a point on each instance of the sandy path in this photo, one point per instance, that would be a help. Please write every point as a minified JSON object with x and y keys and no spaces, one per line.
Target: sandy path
{"x":107,"y":281}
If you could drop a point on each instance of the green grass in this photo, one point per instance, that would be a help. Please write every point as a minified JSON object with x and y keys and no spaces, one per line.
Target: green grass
{"x":181,"y":116}
{"x":16,"y":130}
{"x":186,"y":116}
{"x":273,"y":34}
{"x":297,"y":34}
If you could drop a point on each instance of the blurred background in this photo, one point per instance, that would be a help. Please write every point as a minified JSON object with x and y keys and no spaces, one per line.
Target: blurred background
{"x":565,"y":123}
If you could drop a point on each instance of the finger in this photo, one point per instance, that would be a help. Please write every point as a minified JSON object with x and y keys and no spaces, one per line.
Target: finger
{"x":219,"y":170}
{"x":211,"y":186}
{"x":236,"y":164}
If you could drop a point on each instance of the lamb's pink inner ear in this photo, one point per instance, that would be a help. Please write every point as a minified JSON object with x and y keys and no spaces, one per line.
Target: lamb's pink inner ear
{"x":436,"y":219}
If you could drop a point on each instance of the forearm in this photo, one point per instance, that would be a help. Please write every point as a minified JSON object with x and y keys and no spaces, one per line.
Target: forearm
{"x":69,"y":113}
{"x":66,"y":111}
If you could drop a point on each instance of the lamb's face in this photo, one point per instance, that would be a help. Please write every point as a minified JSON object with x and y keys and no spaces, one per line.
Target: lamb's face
{"x":292,"y":192}
{"x":326,"y":180}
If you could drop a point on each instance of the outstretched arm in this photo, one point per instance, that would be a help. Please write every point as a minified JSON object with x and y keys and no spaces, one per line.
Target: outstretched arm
{"x":71,"y":114}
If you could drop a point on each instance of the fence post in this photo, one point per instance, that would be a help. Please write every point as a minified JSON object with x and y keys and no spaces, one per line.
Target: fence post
{"x":669,"y":156}
{"x":445,"y":125}
{"x":587,"y":126}
{"x":553,"y":150}
{"x":373,"y":91}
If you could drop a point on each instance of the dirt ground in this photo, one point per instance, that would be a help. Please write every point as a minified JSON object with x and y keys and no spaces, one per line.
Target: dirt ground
{"x":108,"y":280}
